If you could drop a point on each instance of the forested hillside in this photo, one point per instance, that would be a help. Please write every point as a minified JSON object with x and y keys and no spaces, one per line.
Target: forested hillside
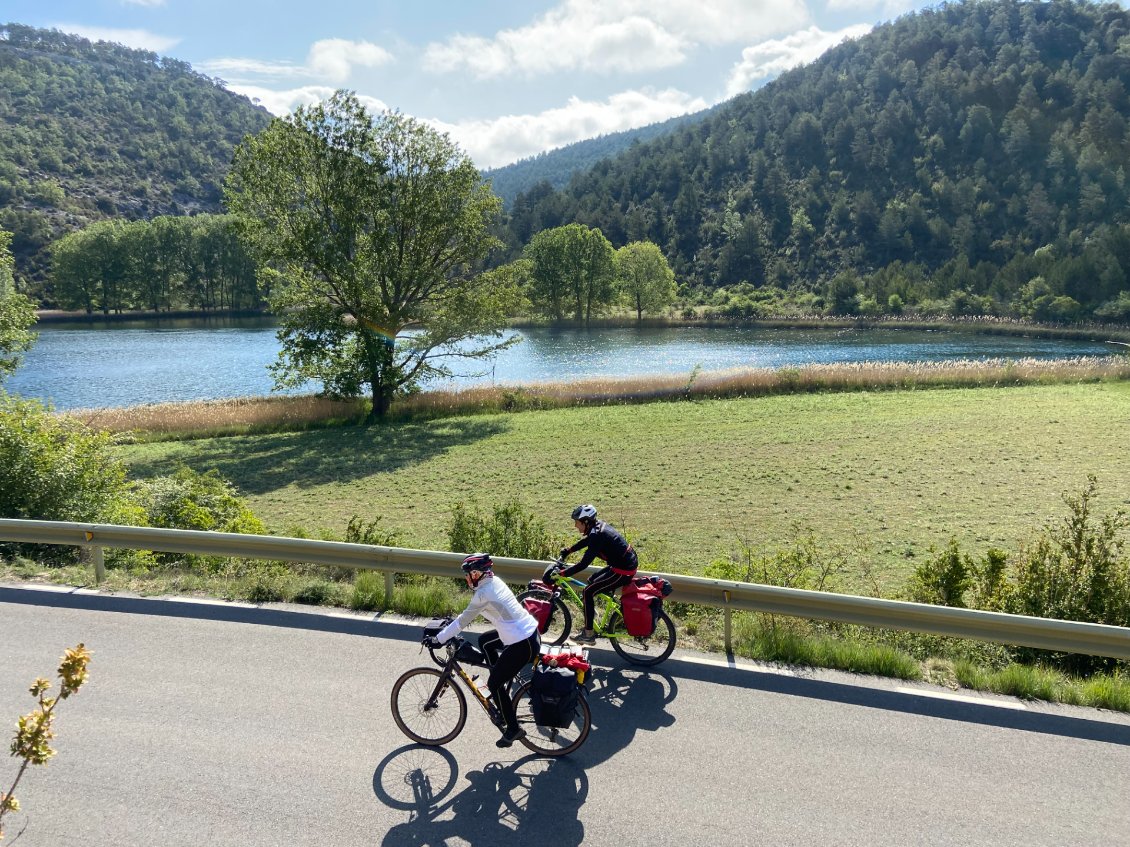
{"x":935,"y":156}
{"x":95,"y":130}
{"x":555,"y":167}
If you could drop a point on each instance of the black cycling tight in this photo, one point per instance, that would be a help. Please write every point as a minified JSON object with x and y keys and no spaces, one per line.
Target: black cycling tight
{"x":505,"y":667}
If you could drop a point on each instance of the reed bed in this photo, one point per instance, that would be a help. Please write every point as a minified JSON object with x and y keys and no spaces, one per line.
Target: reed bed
{"x":268,"y":414}
{"x":753,"y":382}
{"x":234,"y":416}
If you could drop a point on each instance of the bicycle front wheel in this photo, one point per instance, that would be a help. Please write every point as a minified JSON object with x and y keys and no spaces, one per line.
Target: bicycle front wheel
{"x":550,"y":740}
{"x":423,"y":718}
{"x":649,"y":650}
{"x":560,"y":618}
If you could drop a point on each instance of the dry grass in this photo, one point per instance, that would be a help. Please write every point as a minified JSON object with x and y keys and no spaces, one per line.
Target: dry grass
{"x":758,"y":382}
{"x":215,"y":417}
{"x":276,"y":414}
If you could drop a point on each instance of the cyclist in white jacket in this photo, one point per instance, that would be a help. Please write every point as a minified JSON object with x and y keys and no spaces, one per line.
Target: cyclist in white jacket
{"x":514,"y":639}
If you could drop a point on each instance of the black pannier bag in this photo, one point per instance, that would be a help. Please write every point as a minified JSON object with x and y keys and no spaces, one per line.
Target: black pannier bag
{"x":553,"y":696}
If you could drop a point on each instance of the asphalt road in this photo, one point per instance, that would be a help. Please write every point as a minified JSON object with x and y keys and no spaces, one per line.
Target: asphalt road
{"x":227,"y":725}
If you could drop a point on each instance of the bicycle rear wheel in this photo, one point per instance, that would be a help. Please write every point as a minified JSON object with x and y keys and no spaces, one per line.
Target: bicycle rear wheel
{"x":649,"y":650}
{"x":425,"y":722}
{"x":560,"y":618}
{"x":549,"y":740}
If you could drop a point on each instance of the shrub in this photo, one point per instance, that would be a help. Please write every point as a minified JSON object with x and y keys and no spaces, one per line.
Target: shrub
{"x":1075,"y":569}
{"x":192,"y":500}
{"x":56,"y":469}
{"x":943,"y":579}
{"x":803,"y":564}
{"x":509,"y":530}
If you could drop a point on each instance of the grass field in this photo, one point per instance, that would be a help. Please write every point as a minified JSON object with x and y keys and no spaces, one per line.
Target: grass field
{"x":885,"y":475}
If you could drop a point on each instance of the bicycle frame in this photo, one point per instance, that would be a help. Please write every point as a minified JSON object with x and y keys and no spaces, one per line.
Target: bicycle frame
{"x":603,"y":622}
{"x":453,"y":668}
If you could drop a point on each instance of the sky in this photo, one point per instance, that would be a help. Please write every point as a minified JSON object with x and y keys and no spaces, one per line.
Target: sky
{"x":506,"y":79}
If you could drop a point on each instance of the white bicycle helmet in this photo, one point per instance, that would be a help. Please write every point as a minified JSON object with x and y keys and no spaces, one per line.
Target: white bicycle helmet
{"x":586,"y":513}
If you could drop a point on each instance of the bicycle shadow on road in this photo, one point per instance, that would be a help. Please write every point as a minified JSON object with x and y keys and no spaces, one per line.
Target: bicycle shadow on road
{"x":872,"y":696}
{"x":624,"y":703}
{"x":514,"y":804}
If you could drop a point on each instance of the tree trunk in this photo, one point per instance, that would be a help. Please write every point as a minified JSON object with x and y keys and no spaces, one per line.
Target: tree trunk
{"x":379,"y":356}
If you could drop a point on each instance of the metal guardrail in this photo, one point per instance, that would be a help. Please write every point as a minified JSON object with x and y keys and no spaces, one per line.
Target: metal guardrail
{"x":1019,"y":630}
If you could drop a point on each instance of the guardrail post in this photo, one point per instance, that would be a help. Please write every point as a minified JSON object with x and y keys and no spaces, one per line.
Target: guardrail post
{"x":389,"y":579}
{"x":99,"y":564}
{"x":96,"y":555}
{"x":726,"y":623}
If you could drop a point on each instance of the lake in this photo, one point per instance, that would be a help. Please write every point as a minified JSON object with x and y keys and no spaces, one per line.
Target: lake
{"x":106,"y":365}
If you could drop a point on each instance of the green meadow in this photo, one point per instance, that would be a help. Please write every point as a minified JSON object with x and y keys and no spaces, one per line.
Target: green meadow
{"x":877,"y":477}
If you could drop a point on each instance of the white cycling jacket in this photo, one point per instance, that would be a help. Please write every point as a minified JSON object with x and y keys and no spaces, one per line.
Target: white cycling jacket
{"x":494,"y":600}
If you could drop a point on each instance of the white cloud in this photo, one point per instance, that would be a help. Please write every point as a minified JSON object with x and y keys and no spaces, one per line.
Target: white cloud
{"x":251,"y":67}
{"x":498,"y":141}
{"x":284,"y":102}
{"x":614,"y":36}
{"x":335,"y":58}
{"x":331,"y":60}
{"x":146,"y":3}
{"x":139,"y":39}
{"x":772,"y":58}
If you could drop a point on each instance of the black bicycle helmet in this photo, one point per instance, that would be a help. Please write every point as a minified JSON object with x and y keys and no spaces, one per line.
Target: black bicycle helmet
{"x":478,"y":562}
{"x":585,"y":513}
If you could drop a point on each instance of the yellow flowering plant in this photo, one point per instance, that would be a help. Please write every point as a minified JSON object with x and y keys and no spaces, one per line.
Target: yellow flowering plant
{"x":34,"y":731}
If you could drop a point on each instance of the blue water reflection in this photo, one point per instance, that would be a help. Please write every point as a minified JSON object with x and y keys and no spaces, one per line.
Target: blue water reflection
{"x":95,"y":366}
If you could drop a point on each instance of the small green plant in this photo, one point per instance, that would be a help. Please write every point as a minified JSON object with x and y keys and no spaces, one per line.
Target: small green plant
{"x":318,"y":592}
{"x":359,"y":532}
{"x":429,"y":598}
{"x":263,"y":586}
{"x":34,"y":730}
{"x":368,"y":592}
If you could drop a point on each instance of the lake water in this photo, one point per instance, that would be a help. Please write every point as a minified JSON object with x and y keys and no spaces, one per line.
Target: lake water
{"x":108,"y":365}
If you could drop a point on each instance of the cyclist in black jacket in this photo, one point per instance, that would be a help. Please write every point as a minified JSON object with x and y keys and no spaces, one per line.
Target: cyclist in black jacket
{"x":599,"y":541}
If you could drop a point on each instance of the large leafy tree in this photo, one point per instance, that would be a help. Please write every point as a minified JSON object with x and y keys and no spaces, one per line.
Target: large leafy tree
{"x":372,"y":226}
{"x":644,"y":277}
{"x":17,"y":313}
{"x":571,"y":268}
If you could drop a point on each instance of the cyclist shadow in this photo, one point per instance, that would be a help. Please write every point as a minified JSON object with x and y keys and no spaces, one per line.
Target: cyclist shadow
{"x":624,"y":702}
{"x":503,"y":804}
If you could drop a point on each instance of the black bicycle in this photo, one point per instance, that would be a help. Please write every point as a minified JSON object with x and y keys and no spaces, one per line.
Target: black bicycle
{"x":430,"y":707}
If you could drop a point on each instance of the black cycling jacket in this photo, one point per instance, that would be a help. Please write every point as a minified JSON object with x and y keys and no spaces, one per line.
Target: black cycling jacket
{"x":603,"y":542}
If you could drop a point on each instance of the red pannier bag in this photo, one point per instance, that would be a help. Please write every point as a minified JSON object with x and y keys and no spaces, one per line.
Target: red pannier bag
{"x":641,"y":601}
{"x":540,"y":610}
{"x":637,"y":614}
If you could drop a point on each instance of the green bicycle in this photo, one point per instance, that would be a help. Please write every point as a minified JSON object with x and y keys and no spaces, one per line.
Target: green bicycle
{"x":561,"y":592}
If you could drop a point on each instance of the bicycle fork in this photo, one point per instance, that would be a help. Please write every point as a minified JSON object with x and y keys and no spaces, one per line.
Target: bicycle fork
{"x":437,"y":692}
